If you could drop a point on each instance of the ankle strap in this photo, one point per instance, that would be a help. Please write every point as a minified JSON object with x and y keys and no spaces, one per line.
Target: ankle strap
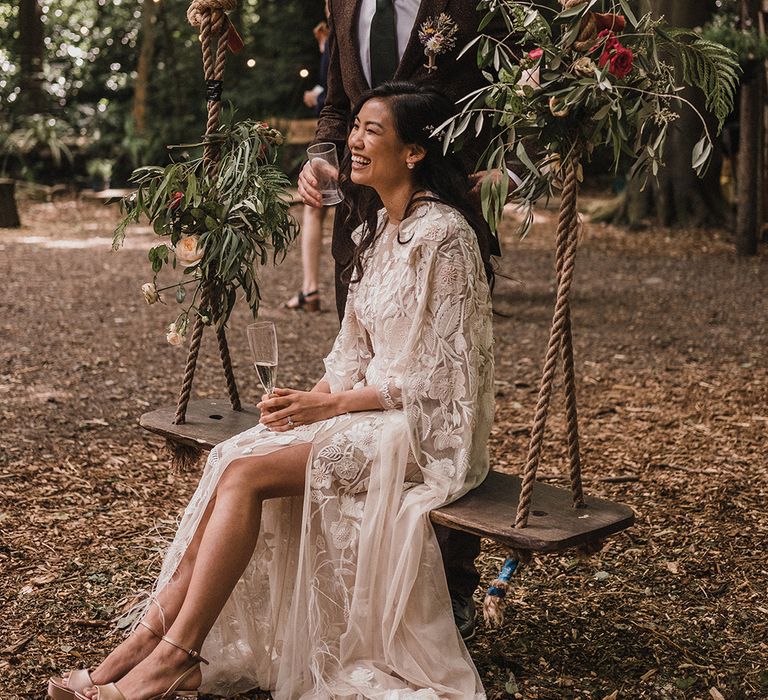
{"x":195,"y":655}
{"x":153,"y":631}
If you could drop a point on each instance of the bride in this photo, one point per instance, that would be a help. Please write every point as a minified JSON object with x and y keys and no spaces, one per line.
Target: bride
{"x":305,"y":562}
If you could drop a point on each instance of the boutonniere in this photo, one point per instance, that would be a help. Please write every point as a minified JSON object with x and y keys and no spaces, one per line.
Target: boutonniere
{"x":437,"y":35}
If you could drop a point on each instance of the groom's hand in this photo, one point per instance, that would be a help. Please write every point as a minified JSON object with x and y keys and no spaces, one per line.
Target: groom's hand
{"x":308,"y":191}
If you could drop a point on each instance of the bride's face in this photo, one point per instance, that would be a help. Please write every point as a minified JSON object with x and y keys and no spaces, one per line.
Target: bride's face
{"x":379,"y":157}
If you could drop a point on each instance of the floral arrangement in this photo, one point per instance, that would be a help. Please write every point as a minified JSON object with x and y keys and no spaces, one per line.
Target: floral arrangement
{"x":565,"y":82}
{"x":216,"y":223}
{"x":437,"y":35}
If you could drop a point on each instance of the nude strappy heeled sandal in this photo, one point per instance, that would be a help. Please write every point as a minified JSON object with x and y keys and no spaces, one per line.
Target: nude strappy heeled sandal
{"x":78,"y":680}
{"x":112,"y":692}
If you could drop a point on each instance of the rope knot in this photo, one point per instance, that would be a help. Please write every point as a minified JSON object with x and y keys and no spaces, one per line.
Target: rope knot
{"x":199,"y":7}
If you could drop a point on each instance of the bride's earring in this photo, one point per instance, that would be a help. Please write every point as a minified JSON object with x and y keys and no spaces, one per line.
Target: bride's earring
{"x":411,"y":166}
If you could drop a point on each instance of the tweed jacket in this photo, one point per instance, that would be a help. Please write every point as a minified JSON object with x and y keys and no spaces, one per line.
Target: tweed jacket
{"x":346,"y":80}
{"x":346,"y":83}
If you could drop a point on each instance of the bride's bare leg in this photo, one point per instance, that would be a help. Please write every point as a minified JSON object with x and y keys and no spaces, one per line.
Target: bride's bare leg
{"x":225,"y":548}
{"x":159,"y":616}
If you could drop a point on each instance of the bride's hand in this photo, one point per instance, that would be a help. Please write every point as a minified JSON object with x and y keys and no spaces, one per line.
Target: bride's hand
{"x":302,"y":407}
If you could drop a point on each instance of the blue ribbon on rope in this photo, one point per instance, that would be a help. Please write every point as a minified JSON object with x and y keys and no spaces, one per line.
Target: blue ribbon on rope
{"x":506,"y":573}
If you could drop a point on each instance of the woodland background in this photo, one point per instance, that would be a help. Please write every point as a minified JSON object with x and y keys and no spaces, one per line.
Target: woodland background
{"x":670,"y":310}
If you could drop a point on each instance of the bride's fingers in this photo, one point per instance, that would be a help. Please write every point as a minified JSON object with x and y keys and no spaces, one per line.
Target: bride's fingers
{"x":274,"y":404}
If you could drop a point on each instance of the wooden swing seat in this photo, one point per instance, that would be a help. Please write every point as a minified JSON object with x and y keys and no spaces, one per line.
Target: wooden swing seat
{"x":488,"y":511}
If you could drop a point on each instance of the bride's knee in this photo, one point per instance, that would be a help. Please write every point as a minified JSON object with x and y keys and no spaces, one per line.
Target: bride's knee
{"x":245,"y":476}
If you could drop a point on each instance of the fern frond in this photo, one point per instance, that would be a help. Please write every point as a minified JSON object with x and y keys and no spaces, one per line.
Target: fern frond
{"x":709,"y":66}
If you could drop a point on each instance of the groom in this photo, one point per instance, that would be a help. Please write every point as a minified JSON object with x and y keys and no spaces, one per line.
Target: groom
{"x":373,"y":41}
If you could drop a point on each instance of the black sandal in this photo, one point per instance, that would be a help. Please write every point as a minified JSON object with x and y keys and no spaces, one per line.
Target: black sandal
{"x":305,"y":302}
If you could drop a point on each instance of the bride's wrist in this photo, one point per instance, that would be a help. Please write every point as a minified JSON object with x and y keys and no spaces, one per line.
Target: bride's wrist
{"x":336,"y":404}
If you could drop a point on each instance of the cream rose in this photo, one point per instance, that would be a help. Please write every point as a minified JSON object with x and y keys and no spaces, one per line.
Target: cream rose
{"x":173,"y":336}
{"x":151,"y":295}
{"x":584,"y":66}
{"x":558,"y":109}
{"x":187,"y":252}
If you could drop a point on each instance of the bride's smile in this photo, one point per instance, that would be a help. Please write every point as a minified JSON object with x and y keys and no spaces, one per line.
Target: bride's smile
{"x":379,"y":158}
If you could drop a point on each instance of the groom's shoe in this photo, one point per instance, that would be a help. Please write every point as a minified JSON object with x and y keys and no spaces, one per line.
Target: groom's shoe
{"x":464,"y":615}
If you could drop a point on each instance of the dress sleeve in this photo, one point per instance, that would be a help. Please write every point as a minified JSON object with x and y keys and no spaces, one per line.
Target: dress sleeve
{"x":443,"y":371}
{"x":348,"y":360}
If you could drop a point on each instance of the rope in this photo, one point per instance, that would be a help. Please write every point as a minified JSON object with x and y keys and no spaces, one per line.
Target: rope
{"x":569,"y":371}
{"x":226,"y":362}
{"x":560,"y":343}
{"x":210,"y":17}
{"x":189,"y":370}
{"x":559,"y":340}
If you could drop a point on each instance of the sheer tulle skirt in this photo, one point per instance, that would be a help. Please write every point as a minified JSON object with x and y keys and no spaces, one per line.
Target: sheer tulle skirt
{"x":345,"y":595}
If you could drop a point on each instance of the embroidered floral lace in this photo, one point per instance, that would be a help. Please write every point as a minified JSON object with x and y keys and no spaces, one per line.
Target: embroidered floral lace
{"x":345,"y":596}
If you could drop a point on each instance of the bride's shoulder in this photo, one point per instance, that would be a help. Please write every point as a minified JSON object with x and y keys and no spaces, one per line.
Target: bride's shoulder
{"x":357,"y":234}
{"x":436,"y":223}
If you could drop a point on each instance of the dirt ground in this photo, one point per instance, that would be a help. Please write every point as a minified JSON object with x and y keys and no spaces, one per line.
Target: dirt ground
{"x":671,"y":333}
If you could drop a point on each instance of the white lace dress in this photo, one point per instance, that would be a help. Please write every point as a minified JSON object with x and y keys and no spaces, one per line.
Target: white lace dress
{"x":345,"y":596}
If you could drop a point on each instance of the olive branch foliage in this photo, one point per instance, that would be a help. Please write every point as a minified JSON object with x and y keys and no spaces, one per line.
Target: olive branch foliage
{"x":238,"y":211}
{"x":559,"y":104}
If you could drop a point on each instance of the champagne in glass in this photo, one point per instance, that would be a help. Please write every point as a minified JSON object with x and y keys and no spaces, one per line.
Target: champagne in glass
{"x":262,"y":338}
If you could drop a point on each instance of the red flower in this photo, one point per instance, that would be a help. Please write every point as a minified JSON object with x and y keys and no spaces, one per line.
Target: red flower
{"x":607,"y":39}
{"x":622,"y":61}
{"x":176,"y":200}
{"x":608,"y":20}
{"x":536,"y":54}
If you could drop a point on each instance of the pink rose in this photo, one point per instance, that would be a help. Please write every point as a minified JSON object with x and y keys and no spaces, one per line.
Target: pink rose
{"x":536,"y":54}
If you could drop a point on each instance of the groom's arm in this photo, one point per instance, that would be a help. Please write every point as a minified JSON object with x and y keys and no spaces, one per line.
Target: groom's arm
{"x":333,"y":122}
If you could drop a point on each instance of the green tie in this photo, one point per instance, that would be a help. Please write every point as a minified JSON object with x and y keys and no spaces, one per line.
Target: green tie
{"x":384,"y":57}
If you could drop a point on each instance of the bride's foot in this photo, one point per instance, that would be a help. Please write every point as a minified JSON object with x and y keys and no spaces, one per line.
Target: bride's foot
{"x":169,"y":667}
{"x":132,"y":651}
{"x":123,"y":658}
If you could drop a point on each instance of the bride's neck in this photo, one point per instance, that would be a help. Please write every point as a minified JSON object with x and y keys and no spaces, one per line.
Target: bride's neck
{"x":396,"y":199}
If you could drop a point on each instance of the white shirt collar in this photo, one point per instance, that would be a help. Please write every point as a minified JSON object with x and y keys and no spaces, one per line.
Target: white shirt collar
{"x":405,"y":15}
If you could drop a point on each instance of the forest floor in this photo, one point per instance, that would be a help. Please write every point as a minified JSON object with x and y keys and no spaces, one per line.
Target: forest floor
{"x":671,"y":338}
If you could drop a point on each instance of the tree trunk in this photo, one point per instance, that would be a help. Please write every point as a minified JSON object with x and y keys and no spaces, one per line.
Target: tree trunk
{"x":32,"y":98}
{"x":9,"y":214}
{"x":677,"y":196}
{"x":750,"y":151}
{"x":144,"y":65}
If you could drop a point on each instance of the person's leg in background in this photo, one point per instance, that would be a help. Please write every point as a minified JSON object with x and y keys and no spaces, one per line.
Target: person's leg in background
{"x":308,"y":298}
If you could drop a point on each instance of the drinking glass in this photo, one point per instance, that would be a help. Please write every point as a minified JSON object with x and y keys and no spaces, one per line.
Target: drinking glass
{"x":325,"y":167}
{"x":262,"y":338}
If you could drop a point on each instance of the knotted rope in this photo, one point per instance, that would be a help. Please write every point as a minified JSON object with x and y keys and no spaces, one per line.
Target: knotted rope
{"x":214,"y":26}
{"x":560,"y":343}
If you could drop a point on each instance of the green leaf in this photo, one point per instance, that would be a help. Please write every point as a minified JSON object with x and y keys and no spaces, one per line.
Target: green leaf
{"x":522,"y":154}
{"x":573,"y":11}
{"x":628,"y":12}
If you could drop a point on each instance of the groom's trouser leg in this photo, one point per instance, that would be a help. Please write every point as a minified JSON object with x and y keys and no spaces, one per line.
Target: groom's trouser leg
{"x":459,"y":549}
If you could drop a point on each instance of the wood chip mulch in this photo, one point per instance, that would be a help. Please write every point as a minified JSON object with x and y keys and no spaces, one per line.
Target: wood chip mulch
{"x":671,"y":339}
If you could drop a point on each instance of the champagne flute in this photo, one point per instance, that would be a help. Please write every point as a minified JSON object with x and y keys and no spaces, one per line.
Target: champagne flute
{"x":262,"y":338}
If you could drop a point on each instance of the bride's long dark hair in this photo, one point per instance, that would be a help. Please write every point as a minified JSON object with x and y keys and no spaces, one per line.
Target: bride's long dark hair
{"x":416,"y":111}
